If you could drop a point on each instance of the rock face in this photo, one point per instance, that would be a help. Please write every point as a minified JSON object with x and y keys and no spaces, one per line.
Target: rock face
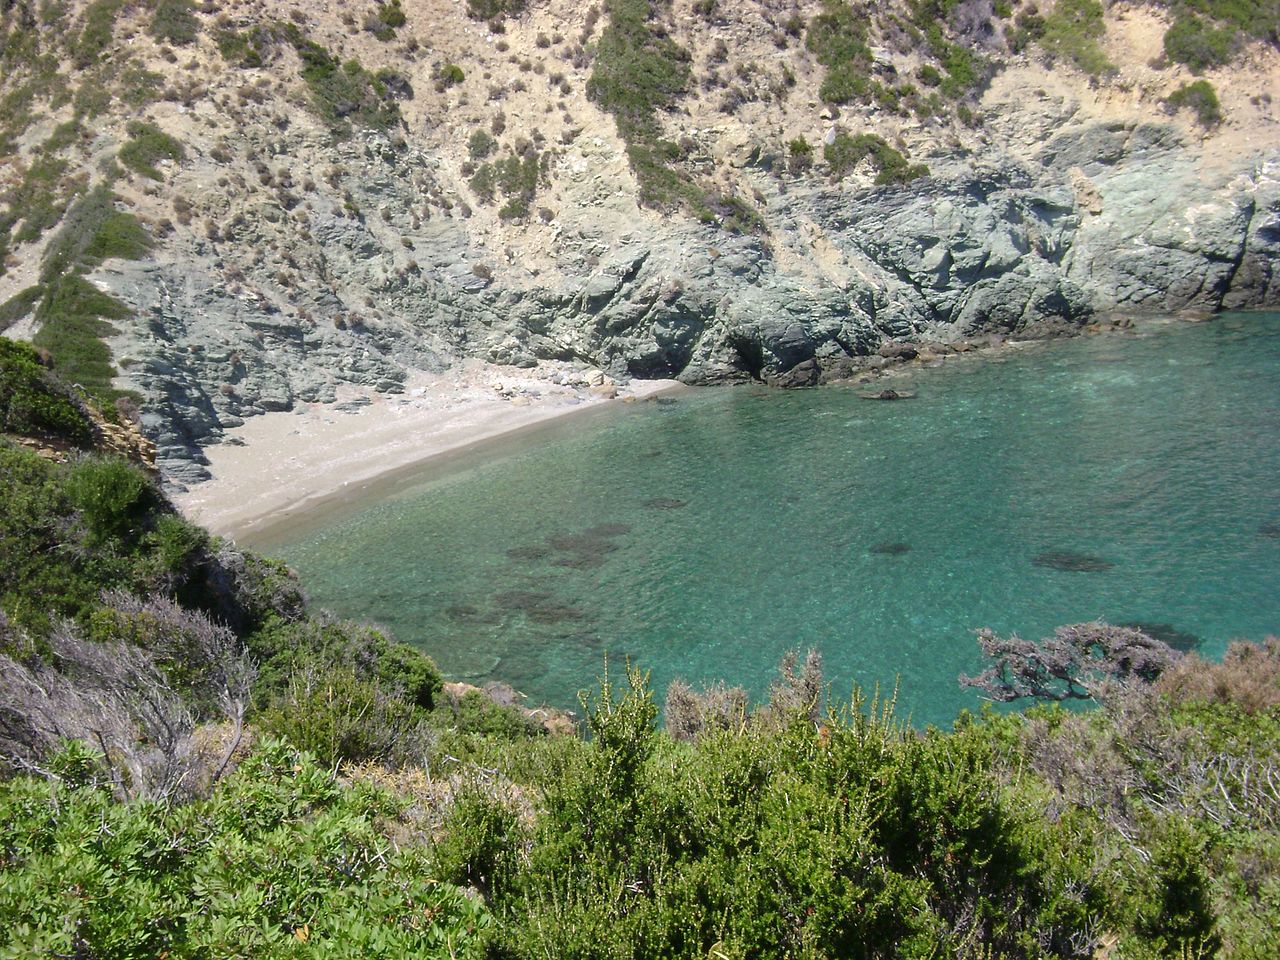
{"x":1007,"y":248}
{"x":303,"y":260}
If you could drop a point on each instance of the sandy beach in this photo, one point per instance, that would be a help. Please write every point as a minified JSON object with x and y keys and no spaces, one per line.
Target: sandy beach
{"x":280,"y":466}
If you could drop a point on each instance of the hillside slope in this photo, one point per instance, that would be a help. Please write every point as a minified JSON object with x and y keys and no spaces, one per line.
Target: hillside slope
{"x":252,"y":203}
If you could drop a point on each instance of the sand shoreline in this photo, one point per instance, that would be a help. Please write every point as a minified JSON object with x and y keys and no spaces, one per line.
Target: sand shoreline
{"x":279,"y":471}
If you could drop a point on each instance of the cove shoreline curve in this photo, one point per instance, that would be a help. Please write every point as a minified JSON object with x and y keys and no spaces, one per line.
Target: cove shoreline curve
{"x":283,"y":472}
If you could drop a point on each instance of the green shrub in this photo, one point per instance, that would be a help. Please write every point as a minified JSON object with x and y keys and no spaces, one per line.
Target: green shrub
{"x":1027,"y":28}
{"x":799,"y":155}
{"x":72,"y":320}
{"x":19,"y":306}
{"x":147,"y":145}
{"x":283,"y":648}
{"x":494,"y":9}
{"x":138,"y":86}
{"x":837,"y":37}
{"x":450,"y":75}
{"x":44,"y":573}
{"x":515,"y":178}
{"x":480,"y":145}
{"x":96,"y":33}
{"x":174,"y":21}
{"x":480,"y":843}
{"x":846,"y":152}
{"x":1201,"y":99}
{"x":389,"y":19}
{"x":343,"y":94}
{"x":92,"y":231}
{"x":1199,"y":44}
{"x":114,"y":497}
{"x":1073,"y":31}
{"x":281,"y":862}
{"x":332,"y":713}
{"x":32,"y":403}
{"x":1180,"y":920}
{"x":250,"y":49}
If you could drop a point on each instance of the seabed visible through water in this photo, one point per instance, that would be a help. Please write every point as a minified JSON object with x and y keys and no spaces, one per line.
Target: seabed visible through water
{"x":1130,"y":477}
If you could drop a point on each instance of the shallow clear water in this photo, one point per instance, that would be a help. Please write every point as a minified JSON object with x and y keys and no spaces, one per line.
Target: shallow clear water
{"x":734,"y":524}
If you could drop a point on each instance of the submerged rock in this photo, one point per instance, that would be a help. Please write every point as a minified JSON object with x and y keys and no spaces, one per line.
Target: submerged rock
{"x":1167,"y":633}
{"x":537,"y":607}
{"x":1270,"y":530}
{"x":887,"y":394}
{"x":1071,"y":561}
{"x":607,"y":530}
{"x":529,"y":553}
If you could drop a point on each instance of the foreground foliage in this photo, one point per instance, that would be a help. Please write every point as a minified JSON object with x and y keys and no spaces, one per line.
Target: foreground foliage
{"x":378,"y":813}
{"x":283,"y":861}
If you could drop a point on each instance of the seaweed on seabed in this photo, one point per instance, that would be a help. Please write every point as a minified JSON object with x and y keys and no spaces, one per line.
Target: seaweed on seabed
{"x":1071,"y":561}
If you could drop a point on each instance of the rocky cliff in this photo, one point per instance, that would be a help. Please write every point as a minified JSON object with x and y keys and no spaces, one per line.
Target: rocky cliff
{"x":335,"y":196}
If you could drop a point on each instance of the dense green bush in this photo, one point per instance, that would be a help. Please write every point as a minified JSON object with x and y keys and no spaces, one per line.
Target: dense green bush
{"x":115,"y":498}
{"x":1073,"y":31}
{"x":516,"y":178}
{"x":174,"y":21}
{"x":283,"y":647}
{"x":343,"y":94}
{"x":480,"y":145}
{"x":31,"y":402}
{"x":96,"y":32}
{"x":846,"y":152}
{"x":337,"y":715}
{"x":837,"y":37}
{"x":1199,"y":44}
{"x":73,"y":318}
{"x":491,"y":9}
{"x":1200,"y":98}
{"x":283,"y":861}
{"x":147,"y":145}
{"x":92,"y":231}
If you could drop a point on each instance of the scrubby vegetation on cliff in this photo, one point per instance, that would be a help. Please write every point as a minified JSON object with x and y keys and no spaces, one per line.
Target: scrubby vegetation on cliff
{"x":195,"y":764}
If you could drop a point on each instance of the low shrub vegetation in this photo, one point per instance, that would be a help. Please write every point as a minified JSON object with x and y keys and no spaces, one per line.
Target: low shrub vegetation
{"x":174,"y":21}
{"x":147,"y":145}
{"x":1072,"y":32}
{"x":194,"y":764}
{"x":845,"y":152}
{"x":1201,"y":99}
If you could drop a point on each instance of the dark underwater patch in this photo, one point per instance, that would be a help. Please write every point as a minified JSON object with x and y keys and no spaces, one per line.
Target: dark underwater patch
{"x":1071,"y":561}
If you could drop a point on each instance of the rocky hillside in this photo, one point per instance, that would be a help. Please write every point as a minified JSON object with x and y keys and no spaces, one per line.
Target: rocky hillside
{"x":214,"y":210}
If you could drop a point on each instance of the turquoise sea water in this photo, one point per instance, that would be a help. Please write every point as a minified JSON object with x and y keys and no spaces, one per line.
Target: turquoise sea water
{"x":1132,"y":477}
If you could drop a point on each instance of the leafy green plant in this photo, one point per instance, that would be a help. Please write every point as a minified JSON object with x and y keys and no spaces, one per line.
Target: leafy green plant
{"x":31,"y":402}
{"x":97,"y":31}
{"x":480,"y":145}
{"x":1199,"y":44}
{"x":73,"y":318}
{"x":338,"y":716}
{"x":147,"y":145}
{"x":450,"y":75}
{"x":494,"y":9}
{"x":343,"y":94}
{"x":837,"y":37}
{"x":1073,"y":31}
{"x":114,"y":497}
{"x":282,"y":861}
{"x":845,"y":152}
{"x":174,"y":21}
{"x":1201,"y":99}
{"x":387,"y":20}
